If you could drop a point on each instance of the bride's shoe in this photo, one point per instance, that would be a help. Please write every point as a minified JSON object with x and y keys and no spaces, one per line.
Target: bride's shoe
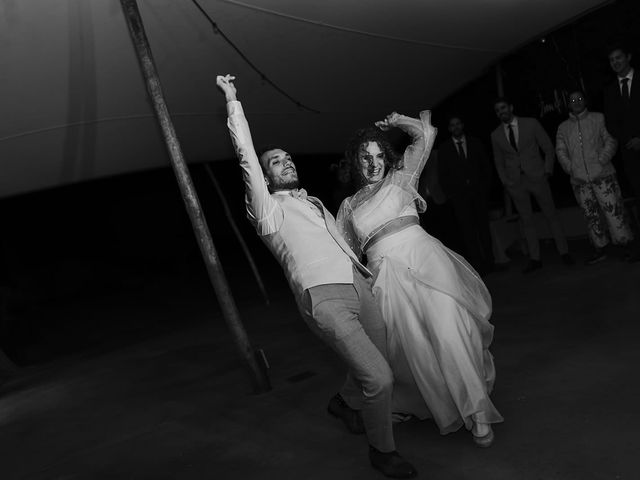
{"x":483,"y":440}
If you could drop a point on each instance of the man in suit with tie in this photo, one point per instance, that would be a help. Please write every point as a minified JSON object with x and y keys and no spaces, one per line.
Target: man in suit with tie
{"x":332,"y":288}
{"x":464,"y":173}
{"x":622,"y":115}
{"x":516,"y":143}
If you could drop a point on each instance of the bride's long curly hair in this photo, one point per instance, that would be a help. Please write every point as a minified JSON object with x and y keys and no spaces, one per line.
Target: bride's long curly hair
{"x":350,"y":167}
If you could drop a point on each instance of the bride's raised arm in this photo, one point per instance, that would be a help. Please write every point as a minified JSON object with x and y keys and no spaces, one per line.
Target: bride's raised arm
{"x":422,"y":135}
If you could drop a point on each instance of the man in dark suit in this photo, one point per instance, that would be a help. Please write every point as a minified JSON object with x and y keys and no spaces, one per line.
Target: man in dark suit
{"x":516,"y":143}
{"x":438,"y":219}
{"x":622,"y":115}
{"x":464,"y":173}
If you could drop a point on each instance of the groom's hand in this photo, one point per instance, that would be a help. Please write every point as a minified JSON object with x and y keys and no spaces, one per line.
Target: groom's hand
{"x":225,"y":84}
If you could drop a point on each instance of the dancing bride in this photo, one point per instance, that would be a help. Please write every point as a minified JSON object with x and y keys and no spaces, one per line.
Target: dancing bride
{"x":436,"y":307}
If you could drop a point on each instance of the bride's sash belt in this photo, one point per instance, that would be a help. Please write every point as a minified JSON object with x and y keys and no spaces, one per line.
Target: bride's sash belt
{"x":391,"y":227}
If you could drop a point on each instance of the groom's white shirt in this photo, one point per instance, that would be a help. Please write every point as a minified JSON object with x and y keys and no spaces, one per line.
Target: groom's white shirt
{"x":303,"y":239}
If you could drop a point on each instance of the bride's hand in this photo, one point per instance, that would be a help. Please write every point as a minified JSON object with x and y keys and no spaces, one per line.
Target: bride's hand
{"x":389,"y":122}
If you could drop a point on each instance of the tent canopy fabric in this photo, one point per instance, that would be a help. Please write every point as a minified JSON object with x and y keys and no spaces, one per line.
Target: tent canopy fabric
{"x":74,"y":106}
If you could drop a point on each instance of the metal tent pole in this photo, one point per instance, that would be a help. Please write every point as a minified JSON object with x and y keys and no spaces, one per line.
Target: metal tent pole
{"x":236,"y":231}
{"x":216,"y":275}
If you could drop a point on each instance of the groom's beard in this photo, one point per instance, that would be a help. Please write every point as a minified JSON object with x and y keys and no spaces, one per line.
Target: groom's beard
{"x":287,"y":185}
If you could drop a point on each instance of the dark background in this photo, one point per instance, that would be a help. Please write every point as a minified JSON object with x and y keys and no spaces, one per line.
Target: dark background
{"x":69,"y":254}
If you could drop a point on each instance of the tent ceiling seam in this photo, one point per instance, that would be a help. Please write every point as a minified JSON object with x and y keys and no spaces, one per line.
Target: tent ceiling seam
{"x":221,"y":115}
{"x":218,"y":31}
{"x":358,"y":32}
{"x":75,"y":124}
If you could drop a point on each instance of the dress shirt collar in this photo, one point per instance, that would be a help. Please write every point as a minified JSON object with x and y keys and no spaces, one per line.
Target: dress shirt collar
{"x":294,"y":192}
{"x":513,"y":123}
{"x":301,"y":194}
{"x":628,"y":75}
{"x":284,"y":192}
{"x":462,"y":139}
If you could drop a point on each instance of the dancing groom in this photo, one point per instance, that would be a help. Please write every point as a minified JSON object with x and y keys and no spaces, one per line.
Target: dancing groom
{"x":331,"y":286}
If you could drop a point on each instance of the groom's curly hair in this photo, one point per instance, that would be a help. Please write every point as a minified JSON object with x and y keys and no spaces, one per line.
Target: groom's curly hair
{"x":350,"y":167}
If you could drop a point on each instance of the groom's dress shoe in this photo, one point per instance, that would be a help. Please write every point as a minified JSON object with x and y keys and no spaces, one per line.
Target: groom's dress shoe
{"x":351,"y":418}
{"x":633,"y":257}
{"x":391,"y":464}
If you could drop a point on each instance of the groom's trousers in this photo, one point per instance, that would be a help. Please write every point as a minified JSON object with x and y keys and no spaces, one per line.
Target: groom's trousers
{"x":348,"y":319}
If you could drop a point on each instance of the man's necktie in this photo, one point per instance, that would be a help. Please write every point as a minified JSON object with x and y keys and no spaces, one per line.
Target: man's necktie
{"x":512,"y":138}
{"x":461,"y":153}
{"x":624,"y":84}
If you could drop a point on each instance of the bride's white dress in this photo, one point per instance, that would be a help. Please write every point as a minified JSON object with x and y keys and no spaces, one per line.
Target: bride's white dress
{"x":435,"y":305}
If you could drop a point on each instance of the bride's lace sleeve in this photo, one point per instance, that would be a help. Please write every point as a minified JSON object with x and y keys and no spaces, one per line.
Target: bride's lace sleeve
{"x":422,"y":134}
{"x":344,"y":222}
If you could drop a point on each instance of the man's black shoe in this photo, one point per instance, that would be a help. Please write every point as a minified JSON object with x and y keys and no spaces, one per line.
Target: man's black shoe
{"x":633,"y":257}
{"x":532,"y":266}
{"x":598,"y":256}
{"x":632,"y":251}
{"x":391,"y":464}
{"x":500,"y":267}
{"x":351,"y":418}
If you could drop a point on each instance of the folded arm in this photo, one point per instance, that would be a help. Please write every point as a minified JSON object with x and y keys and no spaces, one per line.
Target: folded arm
{"x":610,"y":144}
{"x":499,"y":161}
{"x":562,"y":151}
{"x":547,"y":147}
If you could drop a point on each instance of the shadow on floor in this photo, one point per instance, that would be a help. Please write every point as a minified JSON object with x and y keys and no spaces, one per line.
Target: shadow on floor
{"x":177,"y":404}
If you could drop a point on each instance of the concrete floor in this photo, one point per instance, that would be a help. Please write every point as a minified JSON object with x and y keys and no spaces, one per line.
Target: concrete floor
{"x":179,"y":405}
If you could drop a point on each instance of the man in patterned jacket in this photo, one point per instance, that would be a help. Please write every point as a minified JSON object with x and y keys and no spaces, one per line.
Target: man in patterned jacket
{"x":585,"y":148}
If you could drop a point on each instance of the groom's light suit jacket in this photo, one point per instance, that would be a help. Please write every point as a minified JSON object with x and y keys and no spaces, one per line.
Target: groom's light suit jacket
{"x":300,"y":232}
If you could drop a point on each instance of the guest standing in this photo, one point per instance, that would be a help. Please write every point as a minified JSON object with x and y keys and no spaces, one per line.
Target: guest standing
{"x":465,"y":178}
{"x":585,"y":148}
{"x":516,"y":143}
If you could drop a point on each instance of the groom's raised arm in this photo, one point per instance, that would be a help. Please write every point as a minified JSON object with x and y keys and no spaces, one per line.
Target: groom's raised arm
{"x":263,"y":211}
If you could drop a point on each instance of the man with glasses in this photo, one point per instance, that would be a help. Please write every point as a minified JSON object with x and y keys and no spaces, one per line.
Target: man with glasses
{"x":585,"y":148}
